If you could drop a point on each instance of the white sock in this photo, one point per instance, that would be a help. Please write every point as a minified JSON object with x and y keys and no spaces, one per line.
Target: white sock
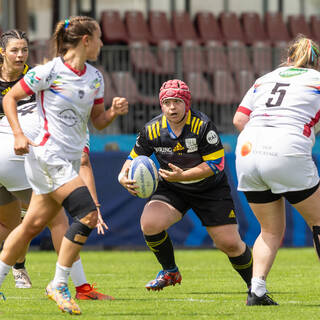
{"x":62,"y":274}
{"x":4,"y":270}
{"x":258,"y":286}
{"x":77,"y":274}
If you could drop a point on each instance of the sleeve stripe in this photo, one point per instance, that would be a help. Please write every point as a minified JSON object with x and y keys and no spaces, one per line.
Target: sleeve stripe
{"x":99,"y":101}
{"x":25,"y":87}
{"x":244,"y":110}
{"x":214,"y":155}
{"x":133,"y":154}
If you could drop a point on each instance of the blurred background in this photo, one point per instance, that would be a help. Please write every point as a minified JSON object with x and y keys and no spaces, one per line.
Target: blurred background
{"x":219,"y":47}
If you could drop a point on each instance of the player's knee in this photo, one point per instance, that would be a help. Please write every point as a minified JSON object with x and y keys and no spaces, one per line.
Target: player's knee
{"x":78,"y":232}
{"x":90,"y":219}
{"x":230,"y":247}
{"x":79,"y":203}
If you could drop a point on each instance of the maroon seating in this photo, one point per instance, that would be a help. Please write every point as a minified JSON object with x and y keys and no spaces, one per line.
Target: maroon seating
{"x":199,"y":87}
{"x":216,"y":57}
{"x":224,"y":88}
{"x":238,"y":58}
{"x":315,"y":27}
{"x":192,"y":57}
{"x":208,"y":27}
{"x":244,"y":80}
{"x":40,"y":51}
{"x":298,"y":24}
{"x":137,"y":27}
{"x":112,"y":28}
{"x":159,"y":26}
{"x":166,"y":56}
{"x":109,"y":90}
{"x":261,"y":58}
{"x":231,"y":27}
{"x":276,"y":28}
{"x":253,"y":27}
{"x":183,"y":28}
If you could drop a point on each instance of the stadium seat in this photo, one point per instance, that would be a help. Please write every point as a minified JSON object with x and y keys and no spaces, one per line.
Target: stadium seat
{"x":192,"y":57}
{"x":298,"y":24}
{"x":166,"y":54}
{"x":159,"y":26}
{"x":280,"y":53}
{"x":40,"y":50}
{"x":183,"y":28}
{"x":315,"y":27}
{"x":199,"y":87}
{"x":208,"y":27}
{"x":224,"y":88}
{"x":276,"y":28}
{"x":261,"y":57}
{"x":137,"y":27}
{"x":253,"y":28}
{"x":231,"y":27}
{"x":238,"y":58}
{"x":112,"y":28}
{"x":244,"y":80}
{"x":216,"y":57}
{"x":109,"y":90}
{"x":142,"y":59}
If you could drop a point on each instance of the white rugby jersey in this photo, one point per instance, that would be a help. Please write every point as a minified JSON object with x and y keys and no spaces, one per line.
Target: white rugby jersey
{"x":287,"y":97}
{"x":64,"y":99}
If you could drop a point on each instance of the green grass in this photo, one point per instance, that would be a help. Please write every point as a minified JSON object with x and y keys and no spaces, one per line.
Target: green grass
{"x":210,"y":288}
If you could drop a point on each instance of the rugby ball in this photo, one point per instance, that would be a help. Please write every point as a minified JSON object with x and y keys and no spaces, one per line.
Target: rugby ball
{"x":144,"y":171}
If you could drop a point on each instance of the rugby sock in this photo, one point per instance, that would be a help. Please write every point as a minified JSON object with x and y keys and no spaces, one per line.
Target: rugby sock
{"x":258,"y":287}
{"x":62,"y":275}
{"x":4,"y":269}
{"x":77,"y":274}
{"x":161,"y":245}
{"x":243,"y":265}
{"x":20,"y":265}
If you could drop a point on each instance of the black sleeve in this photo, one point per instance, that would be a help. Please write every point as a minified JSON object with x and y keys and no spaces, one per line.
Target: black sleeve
{"x":143,"y":145}
{"x":210,"y":141}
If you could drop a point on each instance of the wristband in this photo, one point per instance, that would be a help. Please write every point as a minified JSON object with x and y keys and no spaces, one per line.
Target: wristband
{"x":120,"y":176}
{"x":98,"y":205}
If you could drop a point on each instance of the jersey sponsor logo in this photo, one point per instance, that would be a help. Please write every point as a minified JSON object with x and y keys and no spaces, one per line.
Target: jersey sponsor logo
{"x":32,"y":78}
{"x":95,"y":84}
{"x":68,"y":117}
{"x":212,"y":137}
{"x":178,"y":147}
{"x":163,"y":149}
{"x":81,"y":94}
{"x":191,"y":144}
{"x":232,"y":214}
{"x":292,"y":72}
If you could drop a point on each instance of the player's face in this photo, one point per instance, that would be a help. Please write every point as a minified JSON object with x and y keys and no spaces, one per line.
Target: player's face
{"x":15,"y":54}
{"x":174,"y":110}
{"x":95,"y":44}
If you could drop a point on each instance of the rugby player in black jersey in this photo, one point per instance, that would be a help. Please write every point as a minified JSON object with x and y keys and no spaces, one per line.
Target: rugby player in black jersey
{"x":191,"y":158}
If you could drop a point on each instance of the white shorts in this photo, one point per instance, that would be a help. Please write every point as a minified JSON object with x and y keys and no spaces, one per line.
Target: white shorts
{"x":272,"y":158}
{"x":12,"y":173}
{"x":46,"y":171}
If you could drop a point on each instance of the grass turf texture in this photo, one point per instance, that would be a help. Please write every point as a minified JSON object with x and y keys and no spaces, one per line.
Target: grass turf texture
{"x":210,"y":288}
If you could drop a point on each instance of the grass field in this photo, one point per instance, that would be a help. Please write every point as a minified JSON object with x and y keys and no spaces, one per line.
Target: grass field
{"x":210,"y":288}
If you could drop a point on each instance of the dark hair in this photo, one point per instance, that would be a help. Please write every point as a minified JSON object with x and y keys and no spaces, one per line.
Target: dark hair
{"x":69,"y":32}
{"x":304,"y":53}
{"x":11,"y":34}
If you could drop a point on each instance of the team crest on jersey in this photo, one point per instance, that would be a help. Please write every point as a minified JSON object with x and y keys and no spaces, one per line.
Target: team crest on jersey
{"x":81,"y":94}
{"x":191,"y":144}
{"x":212,"y":137}
{"x":178,"y":147}
{"x":95,"y":84}
{"x":292,"y":72}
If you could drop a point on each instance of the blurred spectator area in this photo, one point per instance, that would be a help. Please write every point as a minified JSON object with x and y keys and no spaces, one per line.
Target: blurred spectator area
{"x":218,"y":56}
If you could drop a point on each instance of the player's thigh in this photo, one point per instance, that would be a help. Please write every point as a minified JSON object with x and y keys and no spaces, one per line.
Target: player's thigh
{"x":160,"y":214}
{"x":10,"y":214}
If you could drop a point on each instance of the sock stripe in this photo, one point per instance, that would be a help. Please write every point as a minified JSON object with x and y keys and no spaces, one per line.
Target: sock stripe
{"x":152,"y":244}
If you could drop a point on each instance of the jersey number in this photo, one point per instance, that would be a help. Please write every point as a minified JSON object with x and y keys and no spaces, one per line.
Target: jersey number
{"x":281,"y":92}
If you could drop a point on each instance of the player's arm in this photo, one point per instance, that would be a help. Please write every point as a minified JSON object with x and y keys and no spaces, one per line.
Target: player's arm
{"x":101,"y":118}
{"x":10,"y":100}
{"x":240,"y":119}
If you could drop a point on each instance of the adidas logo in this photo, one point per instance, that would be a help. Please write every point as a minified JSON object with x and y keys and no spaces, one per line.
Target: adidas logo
{"x":178,"y":147}
{"x":232,"y":214}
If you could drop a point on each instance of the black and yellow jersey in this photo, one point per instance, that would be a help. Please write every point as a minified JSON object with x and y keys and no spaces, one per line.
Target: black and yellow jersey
{"x":6,"y":86}
{"x":198,"y":142}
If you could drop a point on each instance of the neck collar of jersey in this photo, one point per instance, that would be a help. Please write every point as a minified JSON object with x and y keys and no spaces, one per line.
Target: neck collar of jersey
{"x":77,"y":72}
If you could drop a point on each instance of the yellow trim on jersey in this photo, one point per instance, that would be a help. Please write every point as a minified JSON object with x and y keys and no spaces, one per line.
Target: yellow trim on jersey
{"x":192,"y":123}
{"x":200,"y":124}
{"x":26,"y":67}
{"x":188,"y":117}
{"x":213,"y":156}
{"x":164,"y":122}
{"x":150,"y":133}
{"x":154,"y":130}
{"x":133,"y":154}
{"x":195,"y":126}
{"x":158,"y":128}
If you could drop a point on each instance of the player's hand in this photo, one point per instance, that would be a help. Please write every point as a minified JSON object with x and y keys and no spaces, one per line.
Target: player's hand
{"x":175,"y":175}
{"x":101,"y":225}
{"x":21,"y":144}
{"x":120,"y":106}
{"x":127,"y":183}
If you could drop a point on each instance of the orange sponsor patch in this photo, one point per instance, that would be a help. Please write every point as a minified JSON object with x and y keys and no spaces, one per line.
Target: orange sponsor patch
{"x":246,"y":148}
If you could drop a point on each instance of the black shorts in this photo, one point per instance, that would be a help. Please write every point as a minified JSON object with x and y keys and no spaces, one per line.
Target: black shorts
{"x":266,"y":196}
{"x":214,"y":206}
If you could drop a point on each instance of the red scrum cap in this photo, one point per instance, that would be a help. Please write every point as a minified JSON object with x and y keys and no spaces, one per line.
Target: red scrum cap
{"x":175,"y":89}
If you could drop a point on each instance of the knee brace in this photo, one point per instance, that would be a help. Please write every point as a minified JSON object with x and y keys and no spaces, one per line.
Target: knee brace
{"x":79,"y":203}
{"x":78,"y":233}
